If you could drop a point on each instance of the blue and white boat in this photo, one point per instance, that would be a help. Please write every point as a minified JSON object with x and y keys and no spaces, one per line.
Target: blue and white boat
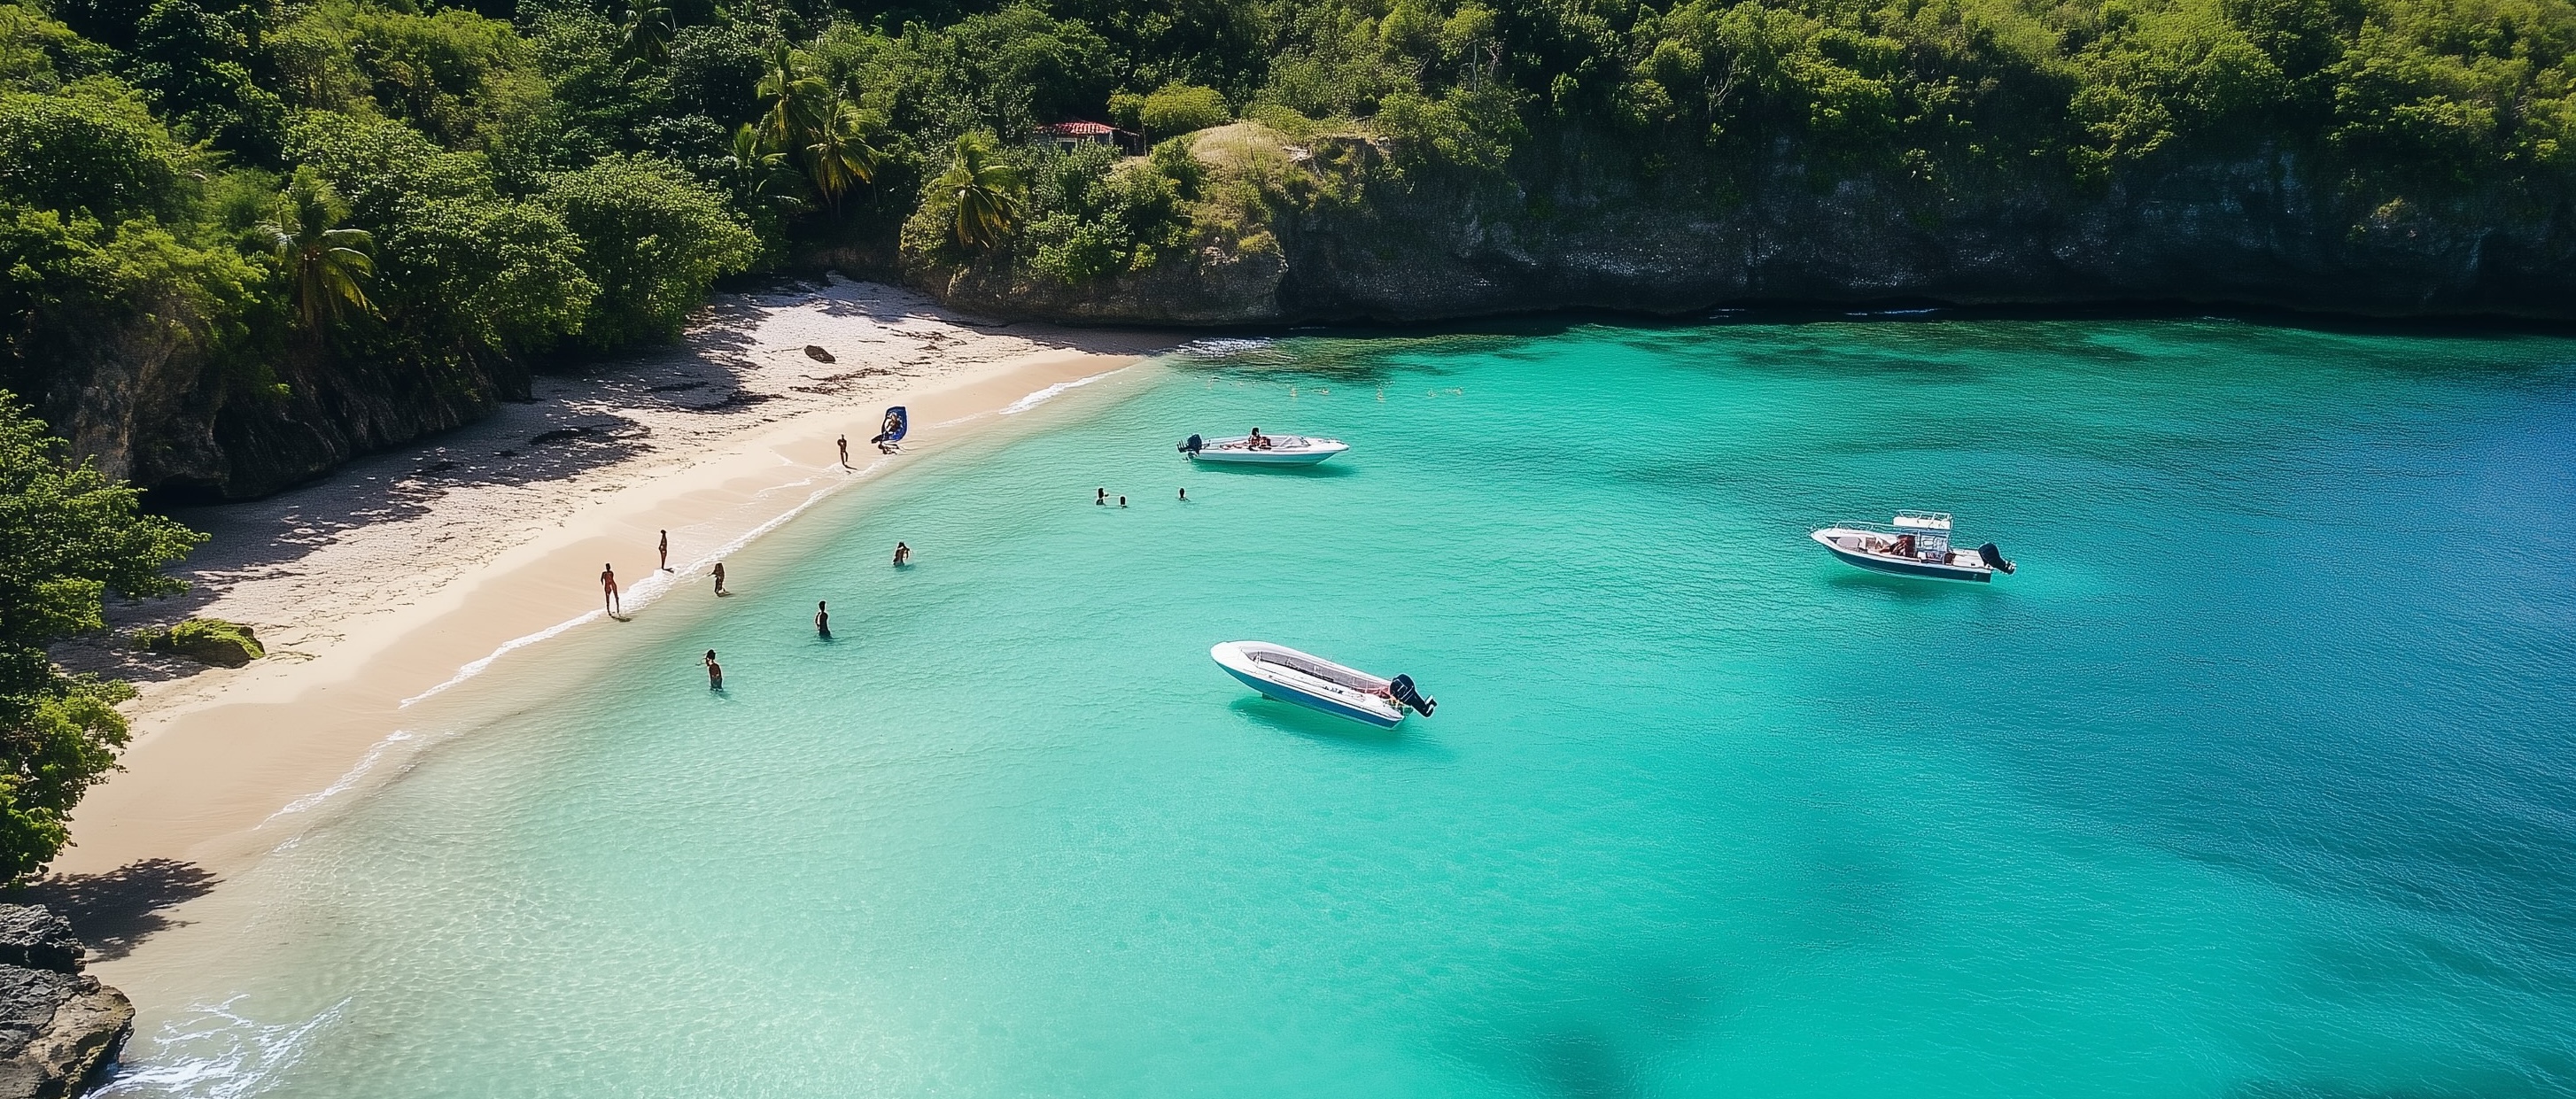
{"x":1919,"y":545}
{"x":1311,"y":681}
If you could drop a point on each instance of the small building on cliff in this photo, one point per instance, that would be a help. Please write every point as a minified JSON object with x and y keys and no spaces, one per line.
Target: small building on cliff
{"x":1065,"y":135}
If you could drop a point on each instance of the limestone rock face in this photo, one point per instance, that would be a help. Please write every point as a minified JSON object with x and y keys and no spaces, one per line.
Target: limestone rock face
{"x":1580,"y":225}
{"x":58,"y":1026}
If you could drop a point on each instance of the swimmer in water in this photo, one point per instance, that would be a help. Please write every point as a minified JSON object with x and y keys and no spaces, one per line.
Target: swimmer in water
{"x":902,"y":555}
{"x":715,"y":672}
{"x":608,"y":599}
{"x":823,"y":619}
{"x":1100,"y":496}
{"x":720,"y":578}
{"x":1122,"y":501}
{"x":1185,"y":496}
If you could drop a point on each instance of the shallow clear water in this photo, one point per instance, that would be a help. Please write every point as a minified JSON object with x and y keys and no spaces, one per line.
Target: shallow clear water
{"x":2258,"y":780}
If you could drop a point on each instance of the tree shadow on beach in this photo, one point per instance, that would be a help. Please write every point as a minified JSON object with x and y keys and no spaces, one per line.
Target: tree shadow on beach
{"x":116,"y":910}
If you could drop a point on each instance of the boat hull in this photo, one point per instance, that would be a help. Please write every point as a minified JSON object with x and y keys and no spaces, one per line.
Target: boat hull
{"x":1899,"y":566}
{"x":1284,"y":693}
{"x":1307,"y":452}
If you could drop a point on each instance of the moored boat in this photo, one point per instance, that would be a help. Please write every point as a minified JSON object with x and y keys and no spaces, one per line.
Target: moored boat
{"x":1258,"y":449}
{"x":1919,"y":545}
{"x":1305,"y":679}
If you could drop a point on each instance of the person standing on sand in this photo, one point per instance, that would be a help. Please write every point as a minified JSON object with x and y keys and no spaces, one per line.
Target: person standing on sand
{"x":845,"y":451}
{"x":715,"y":672}
{"x":823,"y":619}
{"x":666,"y":551}
{"x":720,"y":578}
{"x":608,"y":599}
{"x":902,"y":555}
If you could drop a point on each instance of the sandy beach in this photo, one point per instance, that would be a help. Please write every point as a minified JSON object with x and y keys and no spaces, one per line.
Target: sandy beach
{"x":389,"y":580}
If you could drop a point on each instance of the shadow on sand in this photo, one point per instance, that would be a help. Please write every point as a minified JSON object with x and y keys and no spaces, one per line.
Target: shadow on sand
{"x":116,"y":910}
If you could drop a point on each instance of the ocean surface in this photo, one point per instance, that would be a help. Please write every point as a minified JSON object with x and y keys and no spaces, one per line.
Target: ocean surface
{"x":2257,"y":780}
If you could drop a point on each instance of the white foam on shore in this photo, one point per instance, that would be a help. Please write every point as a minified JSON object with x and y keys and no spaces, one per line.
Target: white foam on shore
{"x":650,"y":589}
{"x":1052,"y":392}
{"x":365,"y":764}
{"x":245,"y":1058}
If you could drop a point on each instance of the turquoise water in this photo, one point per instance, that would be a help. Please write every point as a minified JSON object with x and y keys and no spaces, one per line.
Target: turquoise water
{"x":2258,"y":780}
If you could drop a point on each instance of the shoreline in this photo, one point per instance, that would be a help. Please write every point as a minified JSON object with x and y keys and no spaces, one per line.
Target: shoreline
{"x":217,"y":753}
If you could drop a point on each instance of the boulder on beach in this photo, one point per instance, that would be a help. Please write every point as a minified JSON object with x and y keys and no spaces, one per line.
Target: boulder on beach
{"x":211,"y":640}
{"x":58,"y":1026}
{"x":816,"y":353}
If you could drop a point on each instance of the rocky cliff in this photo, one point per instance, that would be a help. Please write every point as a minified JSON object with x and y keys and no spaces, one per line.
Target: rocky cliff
{"x":58,"y":1027}
{"x":1575,"y":226}
{"x":136,"y":392}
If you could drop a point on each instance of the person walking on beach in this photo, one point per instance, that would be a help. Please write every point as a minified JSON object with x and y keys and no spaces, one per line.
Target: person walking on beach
{"x":902,"y":555}
{"x":666,"y":551}
{"x":715,"y":672}
{"x":823,"y":619}
{"x":845,"y":451}
{"x":608,"y":599}
{"x":720,"y":578}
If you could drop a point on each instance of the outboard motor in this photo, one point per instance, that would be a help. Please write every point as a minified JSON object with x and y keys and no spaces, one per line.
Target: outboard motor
{"x":1191,"y":446}
{"x":1994,"y":558}
{"x":1402,"y":688}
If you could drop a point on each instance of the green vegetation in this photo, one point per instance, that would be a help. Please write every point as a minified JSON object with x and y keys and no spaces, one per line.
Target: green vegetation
{"x":68,"y":536}
{"x":440,"y":187}
{"x":211,"y":640}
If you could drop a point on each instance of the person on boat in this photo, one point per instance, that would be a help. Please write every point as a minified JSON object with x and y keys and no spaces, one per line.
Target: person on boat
{"x":823,"y":619}
{"x":1904,"y":546}
{"x":715,"y":672}
{"x":902,"y":555}
{"x":1257,"y":441}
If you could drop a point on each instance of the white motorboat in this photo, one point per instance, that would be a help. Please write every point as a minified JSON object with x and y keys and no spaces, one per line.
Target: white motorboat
{"x":1918,"y":546}
{"x":1305,"y":679}
{"x":1258,"y":449}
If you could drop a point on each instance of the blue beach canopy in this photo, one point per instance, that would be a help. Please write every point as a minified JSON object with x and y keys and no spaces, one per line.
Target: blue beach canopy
{"x":895,"y":423}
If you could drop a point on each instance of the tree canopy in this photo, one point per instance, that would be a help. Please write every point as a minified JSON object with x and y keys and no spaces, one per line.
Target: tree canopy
{"x":69,"y":536}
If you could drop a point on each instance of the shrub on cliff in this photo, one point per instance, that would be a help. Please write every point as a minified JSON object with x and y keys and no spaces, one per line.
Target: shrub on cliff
{"x":68,"y":536}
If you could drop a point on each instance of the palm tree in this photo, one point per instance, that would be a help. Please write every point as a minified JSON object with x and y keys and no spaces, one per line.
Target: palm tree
{"x":986,"y":191}
{"x":645,"y":34}
{"x":837,"y":154}
{"x":755,"y":171}
{"x":795,"y":97}
{"x":327,"y":268}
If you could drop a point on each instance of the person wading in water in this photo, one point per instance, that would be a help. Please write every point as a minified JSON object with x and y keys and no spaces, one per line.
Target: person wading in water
{"x":666,"y":551}
{"x":719,"y":570}
{"x":823,"y":619}
{"x":902,"y":555}
{"x":715,"y":672}
{"x":608,"y":599}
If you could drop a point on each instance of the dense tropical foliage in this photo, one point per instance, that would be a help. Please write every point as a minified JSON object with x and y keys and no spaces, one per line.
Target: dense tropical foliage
{"x":428,"y":185}
{"x":68,"y":537}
